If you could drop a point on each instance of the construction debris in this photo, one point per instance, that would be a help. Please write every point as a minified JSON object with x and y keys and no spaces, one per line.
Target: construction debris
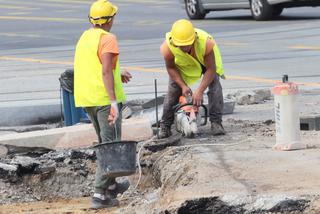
{"x":55,"y":174}
{"x":250,"y":97}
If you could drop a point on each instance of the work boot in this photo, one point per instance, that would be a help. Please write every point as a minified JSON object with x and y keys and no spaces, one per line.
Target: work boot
{"x":217,"y":129}
{"x":117,"y":188}
{"x":165,"y":131}
{"x":105,"y":202}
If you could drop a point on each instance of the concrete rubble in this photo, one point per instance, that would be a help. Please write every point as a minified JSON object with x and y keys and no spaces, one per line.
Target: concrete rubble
{"x":54,"y":174}
{"x":250,"y":97}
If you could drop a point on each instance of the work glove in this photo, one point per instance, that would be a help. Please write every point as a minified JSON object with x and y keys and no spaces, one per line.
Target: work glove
{"x":125,"y":76}
{"x":114,"y":113}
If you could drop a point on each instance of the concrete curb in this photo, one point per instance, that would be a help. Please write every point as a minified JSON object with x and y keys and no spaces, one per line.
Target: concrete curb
{"x":78,"y":136}
{"x":20,"y":113}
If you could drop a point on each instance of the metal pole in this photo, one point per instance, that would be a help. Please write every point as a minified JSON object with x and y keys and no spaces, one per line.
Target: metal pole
{"x":156,"y":103}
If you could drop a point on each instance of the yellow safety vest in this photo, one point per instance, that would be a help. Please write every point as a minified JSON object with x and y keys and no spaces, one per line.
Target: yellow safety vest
{"x":89,"y":89}
{"x":189,"y":67}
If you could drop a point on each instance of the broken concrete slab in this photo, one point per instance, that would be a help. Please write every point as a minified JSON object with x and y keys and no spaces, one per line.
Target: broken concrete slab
{"x":77,"y":136}
{"x":152,"y":103}
{"x":250,"y":97}
{"x":8,"y":172}
{"x":263,"y":94}
{"x":228,"y":106}
{"x":27,"y":151}
{"x":83,"y":154}
{"x":136,"y":102}
{"x":45,"y":168}
{"x":3,"y":151}
{"x":25,"y":164}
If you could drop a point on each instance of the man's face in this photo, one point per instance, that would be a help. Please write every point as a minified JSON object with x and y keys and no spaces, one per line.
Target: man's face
{"x":186,"y":49}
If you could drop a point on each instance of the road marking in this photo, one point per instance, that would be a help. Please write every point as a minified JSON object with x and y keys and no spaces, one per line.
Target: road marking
{"x":137,"y":68}
{"x":69,"y":1}
{"x":15,"y":7}
{"x":18,"y":13}
{"x":66,"y":11}
{"x":20,"y":35}
{"x":156,"y":70}
{"x":50,"y":19}
{"x":303,"y":47}
{"x":40,"y":4}
{"x":146,"y":2}
{"x":254,"y":79}
{"x":35,"y":60}
{"x":233,"y":43}
{"x":147,"y":23}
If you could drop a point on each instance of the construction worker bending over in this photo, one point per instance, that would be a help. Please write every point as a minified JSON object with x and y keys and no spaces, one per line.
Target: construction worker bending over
{"x":98,"y":88}
{"x":189,"y":54}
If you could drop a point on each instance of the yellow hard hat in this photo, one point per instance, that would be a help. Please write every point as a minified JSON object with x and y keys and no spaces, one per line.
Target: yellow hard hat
{"x":101,"y":12}
{"x":183,"y":33}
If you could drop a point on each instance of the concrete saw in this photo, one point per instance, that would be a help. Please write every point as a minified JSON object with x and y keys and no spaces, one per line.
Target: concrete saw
{"x":189,"y":117}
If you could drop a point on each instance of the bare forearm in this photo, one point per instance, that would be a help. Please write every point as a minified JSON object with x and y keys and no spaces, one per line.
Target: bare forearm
{"x":176,"y":77}
{"x":108,"y":81}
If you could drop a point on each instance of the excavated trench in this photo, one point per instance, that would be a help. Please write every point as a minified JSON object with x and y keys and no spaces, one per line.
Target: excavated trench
{"x":190,"y":178}
{"x":209,"y":205}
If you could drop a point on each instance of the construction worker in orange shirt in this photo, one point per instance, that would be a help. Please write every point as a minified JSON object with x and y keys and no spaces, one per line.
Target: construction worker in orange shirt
{"x":98,"y":88}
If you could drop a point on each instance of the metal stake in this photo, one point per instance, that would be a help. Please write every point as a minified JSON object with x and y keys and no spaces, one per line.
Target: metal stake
{"x":156,"y":103}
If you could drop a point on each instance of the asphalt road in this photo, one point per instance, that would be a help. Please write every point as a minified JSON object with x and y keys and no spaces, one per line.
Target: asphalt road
{"x":38,"y":39}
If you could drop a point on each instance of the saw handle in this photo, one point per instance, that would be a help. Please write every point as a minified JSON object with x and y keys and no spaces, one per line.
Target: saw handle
{"x":178,"y":107}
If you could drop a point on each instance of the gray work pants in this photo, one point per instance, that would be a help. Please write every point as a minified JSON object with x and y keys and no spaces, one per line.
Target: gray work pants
{"x":106,"y":133}
{"x":215,"y":98}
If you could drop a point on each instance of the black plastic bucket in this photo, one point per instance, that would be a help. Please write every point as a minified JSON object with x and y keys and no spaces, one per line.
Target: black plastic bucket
{"x":117,"y":158}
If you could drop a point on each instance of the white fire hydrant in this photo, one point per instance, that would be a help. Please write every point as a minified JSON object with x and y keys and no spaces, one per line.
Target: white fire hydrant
{"x":287,"y":116}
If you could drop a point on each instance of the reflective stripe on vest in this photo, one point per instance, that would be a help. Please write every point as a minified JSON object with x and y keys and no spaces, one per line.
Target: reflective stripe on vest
{"x":189,"y":67}
{"x":89,"y":89}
